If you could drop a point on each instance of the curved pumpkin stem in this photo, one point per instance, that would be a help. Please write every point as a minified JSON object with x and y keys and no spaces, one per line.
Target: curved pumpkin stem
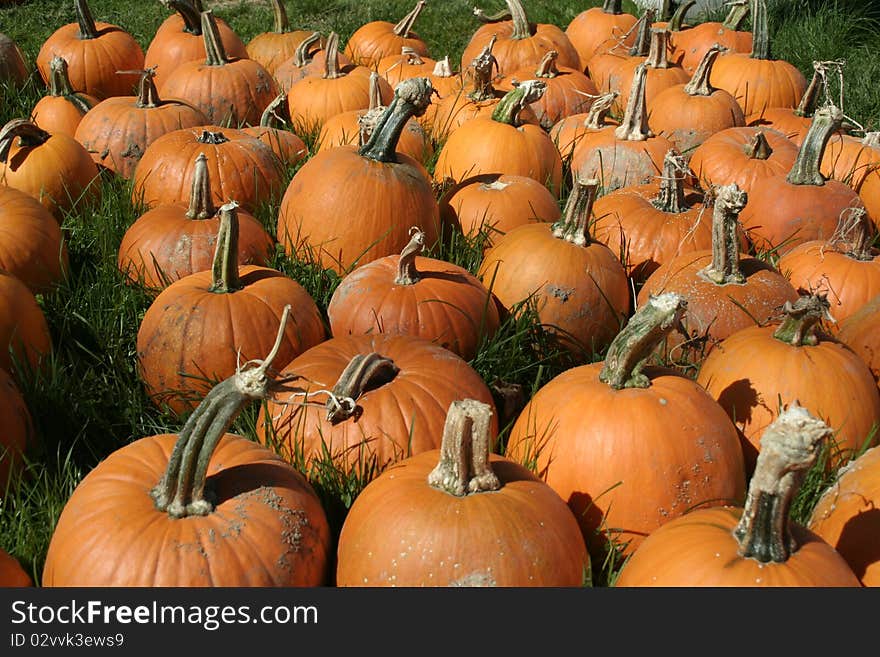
{"x":658,"y":49}
{"x":677,"y":20}
{"x":699,"y":82}
{"x":634,"y":125}
{"x":201,"y":205}
{"x":215,"y":51}
{"x":147,"y":95}
{"x":807,"y":104}
{"x":514,"y":101}
{"x":464,"y":465}
{"x":60,"y":86}
{"x":547,"y":66}
{"x":27,"y":133}
{"x":189,"y":13}
{"x":281,"y":24}
{"x":363,"y":372}
{"x":224,"y":267}
{"x":574,"y":226}
{"x":368,"y":120}
{"x":332,"y":69}
{"x":739,"y":11}
{"x":85,"y":20}
{"x":724,"y":268}
{"x":642,"y":44}
{"x":672,"y":197}
{"x":522,"y":29}
{"x":182,"y":490}
{"x":407,"y":274}
{"x":806,"y":167}
{"x":612,"y":6}
{"x":404,"y":27}
{"x":648,"y":326}
{"x":484,"y":64}
{"x":595,"y":119}
{"x":411,"y":98}
{"x":301,"y":54}
{"x":759,"y":148}
{"x":789,"y":447}
{"x":271,"y":116}
{"x":801,"y":319}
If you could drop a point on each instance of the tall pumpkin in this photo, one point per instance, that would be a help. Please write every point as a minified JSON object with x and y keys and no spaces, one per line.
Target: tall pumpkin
{"x":62,"y":108}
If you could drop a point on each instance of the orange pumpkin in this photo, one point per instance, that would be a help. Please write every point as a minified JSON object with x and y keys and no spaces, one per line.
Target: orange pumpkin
{"x":861,"y":333}
{"x":601,"y":29}
{"x":62,"y":108}
{"x":466,"y":517}
{"x":269,"y":49}
{"x":24,"y":332}
{"x":753,"y":545}
{"x":568,"y":131}
{"x":690,"y":44}
{"x":289,"y":148}
{"x":408,"y":63}
{"x":377,"y":39}
{"x":310,"y":57}
{"x":604,"y":67}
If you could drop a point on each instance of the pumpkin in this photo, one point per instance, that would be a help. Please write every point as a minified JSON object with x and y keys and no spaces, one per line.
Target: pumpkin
{"x":500,"y":143}
{"x":95,"y":52}
{"x":755,"y":79}
{"x":53,"y":168}
{"x":288,"y":147}
{"x":578,"y":285}
{"x":445,"y":82}
{"x":118,"y":130}
{"x":374,"y":187}
{"x":199,"y":508}
{"x":569,"y":130}
{"x":62,"y":108}
{"x":367,"y":401}
{"x":173,"y":240}
{"x":224,"y":88}
{"x":604,"y":67}
{"x":32,"y":247}
{"x":753,"y":545}
{"x":309,"y":57}
{"x":601,"y":29}
{"x":415,"y":295}
{"x":760,"y":368}
{"x":178,"y":39}
{"x":630,"y":447}
{"x":271,"y":48}
{"x":24,"y":333}
{"x":11,"y":572}
{"x":460,"y":516}
{"x":18,"y":433}
{"x":408,"y":63}
{"x":726,"y":289}
{"x":851,"y":160}
{"x":165,"y":171}
{"x":13,"y":68}
{"x":200,"y":328}
{"x":689,"y":45}
{"x":688,"y":114}
{"x":521,"y":43}
{"x":846,"y":515}
{"x":377,"y":39}
{"x":861,"y":333}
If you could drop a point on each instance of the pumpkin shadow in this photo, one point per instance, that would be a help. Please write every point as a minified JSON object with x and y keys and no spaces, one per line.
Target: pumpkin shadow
{"x":251,"y":478}
{"x":853,"y":543}
{"x":738,"y":399}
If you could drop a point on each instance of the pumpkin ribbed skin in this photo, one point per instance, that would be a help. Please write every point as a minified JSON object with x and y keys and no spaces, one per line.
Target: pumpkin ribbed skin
{"x":861,"y":332}
{"x":18,"y":431}
{"x":595,"y":31}
{"x":758,"y":84}
{"x":268,"y":528}
{"x":698,"y":549}
{"x":846,"y":516}
{"x":63,"y":107}
{"x":689,"y":45}
{"x":400,"y":531}
{"x":399,"y":418}
{"x":11,"y":572}
{"x":619,"y":162}
{"x":24,"y":331}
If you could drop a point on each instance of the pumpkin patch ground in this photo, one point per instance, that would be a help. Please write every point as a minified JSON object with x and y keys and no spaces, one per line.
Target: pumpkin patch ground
{"x":577,"y":404}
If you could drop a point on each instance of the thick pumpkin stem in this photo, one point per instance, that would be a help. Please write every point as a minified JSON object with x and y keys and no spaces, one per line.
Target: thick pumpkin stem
{"x":801,"y":319}
{"x":547,"y":66}
{"x":699,"y":82}
{"x":404,"y":27}
{"x":634,"y":125}
{"x":807,"y":104}
{"x":854,"y":234}
{"x":739,"y":11}
{"x":411,"y":98}
{"x":443,"y":68}
{"x":612,"y":6}
{"x":516,"y":13}
{"x":484,"y":65}
{"x":201,"y":205}
{"x":407,"y":274}
{"x":574,"y":226}
{"x":725,"y":269}
{"x":215,"y":51}
{"x":759,"y":148}
{"x":182,"y":490}
{"x":514,"y":101}
{"x":464,"y":465}
{"x":189,"y":13}
{"x":642,"y":44}
{"x":147,"y":95}
{"x":672,"y":197}
{"x":27,"y":133}
{"x":271,"y":116}
{"x":789,"y":447}
{"x":279,"y":14}
{"x":224,"y":267}
{"x":677,"y":20}
{"x":301,"y":54}
{"x":410,"y":56}
{"x":599,"y":110}
{"x":658,"y":50}
{"x":760,"y":31}
{"x":363,"y":372}
{"x":648,"y":326}
{"x":60,"y":86}
{"x":332,"y":69}
{"x":806,"y":168}
{"x":211,"y":137}
{"x":85,"y":20}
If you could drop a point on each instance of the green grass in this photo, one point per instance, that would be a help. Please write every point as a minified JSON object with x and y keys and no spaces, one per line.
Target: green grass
{"x":88,"y":400}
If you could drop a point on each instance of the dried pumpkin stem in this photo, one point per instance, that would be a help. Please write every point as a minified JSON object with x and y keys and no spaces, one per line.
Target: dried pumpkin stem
{"x":596,"y":115}
{"x":547,"y":66}
{"x":484,"y":66}
{"x":27,"y":133}
{"x":739,"y":11}
{"x":215,"y":51}
{"x":404,"y":27}
{"x":612,"y":6}
{"x":279,"y":15}
{"x":301,"y":54}
{"x":522,"y":29}
{"x":677,"y":20}
{"x":807,"y":104}
{"x":642,"y":44}
{"x":657,"y":53}
{"x":672,"y":197}
{"x":85,"y":20}
{"x":725,"y":268}
{"x":634,"y":125}
{"x":464,"y":466}
{"x":699,"y":82}
{"x":760,"y":31}
{"x":854,"y":234}
{"x":514,"y":101}
{"x":331,"y":58}
{"x":442,"y":68}
{"x":182,"y":490}
{"x":574,"y":226}
{"x":411,"y":98}
{"x":189,"y":13}
{"x":789,"y":447}
{"x":362,"y":371}
{"x":224,"y":267}
{"x":806,"y":167}
{"x":801,"y":319}
{"x":271,"y":116}
{"x":407,"y":274}
{"x":759,"y":148}
{"x":147,"y":95}
{"x":201,"y":205}
{"x":60,"y":86}
{"x":648,"y":326}
{"x":212,"y":137}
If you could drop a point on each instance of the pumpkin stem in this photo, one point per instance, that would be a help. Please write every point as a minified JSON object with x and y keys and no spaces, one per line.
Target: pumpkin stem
{"x":634,"y":125}
{"x":515,"y":12}
{"x":189,"y":13}
{"x":87,"y":27}
{"x":224,"y":267}
{"x":600,"y":108}
{"x":759,"y":148}
{"x":271,"y":117}
{"x":211,"y":137}
{"x":642,"y":44}
{"x":27,"y":132}
{"x":854,"y":234}
{"x":332,"y":69}
{"x":760,"y":31}
{"x":805,"y":170}
{"x":411,"y":98}
{"x":672,"y":197}
{"x":148,"y":95}
{"x":789,"y":447}
{"x":301,"y":54}
{"x":724,"y":268}
{"x":363,"y":372}
{"x":410,"y":56}
{"x":60,"y":86}
{"x":871,"y":139}
{"x":677,"y":20}
{"x":407,"y":274}
{"x":612,"y":6}
{"x":514,"y":101}
{"x":739,"y":11}
{"x":201,"y":205}
{"x":807,"y":104}
{"x":443,"y":68}
{"x":547,"y":66}
{"x":182,"y":490}
{"x":665,"y":7}
{"x":574,"y":226}
{"x":279,"y":13}
{"x":483,"y":66}
{"x":629,"y":350}
{"x":657,"y":54}
{"x":801,"y":318}
{"x":215,"y":51}
{"x":404,"y":27}
{"x":699,"y":82}
{"x":464,"y":465}
{"x":368,"y":120}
